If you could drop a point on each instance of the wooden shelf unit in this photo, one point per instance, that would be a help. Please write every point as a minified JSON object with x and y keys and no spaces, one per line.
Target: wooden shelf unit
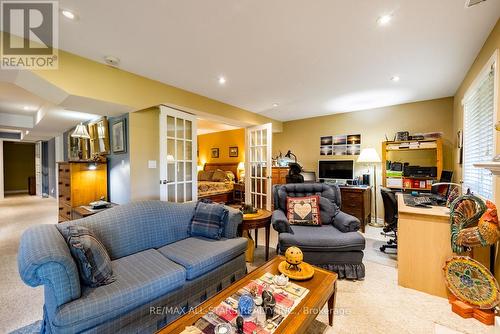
{"x":80,"y":185}
{"x":431,"y":153}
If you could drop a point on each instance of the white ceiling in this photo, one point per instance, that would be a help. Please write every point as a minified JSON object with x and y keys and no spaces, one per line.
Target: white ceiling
{"x":49,"y":111}
{"x":205,"y":126}
{"x":312,"y":57}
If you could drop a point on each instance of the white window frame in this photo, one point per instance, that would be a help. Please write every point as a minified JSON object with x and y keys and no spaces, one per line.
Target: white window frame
{"x":493,"y":61}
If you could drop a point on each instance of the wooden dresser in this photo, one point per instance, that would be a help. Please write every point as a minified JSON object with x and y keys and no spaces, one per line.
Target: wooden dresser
{"x":80,"y":183}
{"x":356,"y":201}
{"x":279,"y":175}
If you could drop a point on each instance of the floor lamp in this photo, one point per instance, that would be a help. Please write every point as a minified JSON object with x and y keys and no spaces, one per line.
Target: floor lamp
{"x":370,"y":156}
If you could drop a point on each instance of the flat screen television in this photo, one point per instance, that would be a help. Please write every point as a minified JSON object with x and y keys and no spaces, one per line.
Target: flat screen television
{"x":336,"y":169}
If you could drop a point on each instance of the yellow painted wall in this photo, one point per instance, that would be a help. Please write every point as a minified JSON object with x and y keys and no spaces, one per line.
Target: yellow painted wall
{"x":489,"y":47}
{"x":19,"y":164}
{"x":223,"y":140}
{"x":144,"y":145}
{"x":303,"y":136}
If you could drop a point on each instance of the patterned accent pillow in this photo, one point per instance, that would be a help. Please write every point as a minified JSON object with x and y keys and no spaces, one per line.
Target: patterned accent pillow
{"x":219,"y":176}
{"x":92,"y":259}
{"x":303,"y":210}
{"x":208,"y":220}
{"x":230,"y":176}
{"x":205,"y":175}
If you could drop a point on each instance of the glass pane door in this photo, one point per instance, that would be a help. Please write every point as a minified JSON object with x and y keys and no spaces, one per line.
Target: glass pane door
{"x":177,"y":160}
{"x":258,"y":166}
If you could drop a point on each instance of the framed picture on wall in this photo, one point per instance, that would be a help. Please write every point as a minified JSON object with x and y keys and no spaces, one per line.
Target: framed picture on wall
{"x":119,"y":144}
{"x":233,"y":151}
{"x":215,"y":152}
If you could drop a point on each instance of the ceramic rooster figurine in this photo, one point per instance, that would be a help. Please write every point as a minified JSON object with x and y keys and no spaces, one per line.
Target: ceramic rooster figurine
{"x":487,"y":231}
{"x":465,"y":213}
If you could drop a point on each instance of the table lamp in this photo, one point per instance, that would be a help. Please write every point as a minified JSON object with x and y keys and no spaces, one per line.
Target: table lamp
{"x":370,"y":156}
{"x":80,"y":132}
{"x":241,"y":171}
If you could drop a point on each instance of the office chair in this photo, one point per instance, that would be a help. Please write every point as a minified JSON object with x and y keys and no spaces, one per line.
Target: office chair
{"x":390,"y":217}
{"x":294,"y":173}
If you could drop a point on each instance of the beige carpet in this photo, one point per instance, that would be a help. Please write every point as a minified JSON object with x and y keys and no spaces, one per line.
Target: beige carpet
{"x":20,"y":304}
{"x":375,"y":305}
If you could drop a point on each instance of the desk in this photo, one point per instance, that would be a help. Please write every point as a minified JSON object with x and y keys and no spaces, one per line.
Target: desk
{"x":424,"y":246}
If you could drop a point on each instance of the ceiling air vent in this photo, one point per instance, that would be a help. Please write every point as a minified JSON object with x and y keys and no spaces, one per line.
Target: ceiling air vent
{"x":471,"y":3}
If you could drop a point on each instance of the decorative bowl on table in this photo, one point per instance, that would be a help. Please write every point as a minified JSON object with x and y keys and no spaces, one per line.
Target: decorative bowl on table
{"x":280,"y":280}
{"x":223,"y":329}
{"x":293,"y":267}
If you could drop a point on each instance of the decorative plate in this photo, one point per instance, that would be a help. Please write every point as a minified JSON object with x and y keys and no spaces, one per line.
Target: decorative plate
{"x":305,"y":272}
{"x":252,"y":215}
{"x":471,"y":282}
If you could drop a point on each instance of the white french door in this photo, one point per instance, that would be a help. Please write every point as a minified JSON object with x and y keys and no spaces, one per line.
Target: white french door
{"x":38,"y":168}
{"x":258,"y":160}
{"x":178,"y":179}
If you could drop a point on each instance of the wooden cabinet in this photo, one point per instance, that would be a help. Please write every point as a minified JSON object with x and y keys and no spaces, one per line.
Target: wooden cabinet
{"x":279,"y":175}
{"x":356,"y":201}
{"x":79,"y":184}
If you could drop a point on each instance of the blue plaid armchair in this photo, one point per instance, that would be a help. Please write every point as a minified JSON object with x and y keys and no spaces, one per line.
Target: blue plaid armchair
{"x":336,"y":245}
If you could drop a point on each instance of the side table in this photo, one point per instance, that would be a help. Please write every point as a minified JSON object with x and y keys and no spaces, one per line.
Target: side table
{"x":261,"y":219}
{"x":85,"y":211}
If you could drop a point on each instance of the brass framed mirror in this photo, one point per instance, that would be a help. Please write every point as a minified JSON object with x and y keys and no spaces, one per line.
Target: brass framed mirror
{"x":77,"y":146}
{"x":99,"y":137}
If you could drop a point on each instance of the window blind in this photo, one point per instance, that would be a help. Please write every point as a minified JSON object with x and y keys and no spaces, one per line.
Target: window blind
{"x":478,"y":137}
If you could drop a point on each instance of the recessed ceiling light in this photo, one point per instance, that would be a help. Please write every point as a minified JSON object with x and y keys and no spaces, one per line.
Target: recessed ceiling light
{"x":222,"y":80}
{"x":395,"y":78}
{"x":275,"y":105}
{"x":69,"y":14}
{"x":384,"y":20}
{"x":29,"y":108}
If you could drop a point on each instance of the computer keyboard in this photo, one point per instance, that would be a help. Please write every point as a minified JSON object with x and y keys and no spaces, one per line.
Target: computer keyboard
{"x":417,"y":200}
{"x":422,"y":200}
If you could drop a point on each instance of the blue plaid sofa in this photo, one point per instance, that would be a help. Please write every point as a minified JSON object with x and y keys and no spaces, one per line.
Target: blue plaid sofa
{"x":160,"y":271}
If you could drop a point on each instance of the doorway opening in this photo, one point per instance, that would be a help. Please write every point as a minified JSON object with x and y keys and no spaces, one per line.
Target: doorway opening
{"x":19,"y":168}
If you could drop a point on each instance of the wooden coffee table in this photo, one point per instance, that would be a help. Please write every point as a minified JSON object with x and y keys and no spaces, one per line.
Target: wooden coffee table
{"x":322,"y":290}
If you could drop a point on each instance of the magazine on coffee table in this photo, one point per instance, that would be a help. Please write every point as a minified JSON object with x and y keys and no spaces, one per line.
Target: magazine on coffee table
{"x":287,"y":298}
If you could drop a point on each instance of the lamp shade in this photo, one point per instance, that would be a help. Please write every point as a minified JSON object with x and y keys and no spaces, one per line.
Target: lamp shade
{"x":80,"y":132}
{"x":368,"y":155}
{"x":241,"y":166}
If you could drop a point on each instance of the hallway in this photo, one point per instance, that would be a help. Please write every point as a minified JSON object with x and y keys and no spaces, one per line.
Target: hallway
{"x":21,"y":304}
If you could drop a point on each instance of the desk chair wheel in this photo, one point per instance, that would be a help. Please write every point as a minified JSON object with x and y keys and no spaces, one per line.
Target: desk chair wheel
{"x":384,"y":247}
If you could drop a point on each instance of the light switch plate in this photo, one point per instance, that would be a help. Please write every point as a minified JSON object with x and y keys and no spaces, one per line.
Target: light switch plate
{"x":152,"y":164}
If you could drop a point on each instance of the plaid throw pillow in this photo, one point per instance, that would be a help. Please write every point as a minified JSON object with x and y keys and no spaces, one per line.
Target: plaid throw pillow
{"x":303,"y":210}
{"x":92,"y":259}
{"x":208,"y":220}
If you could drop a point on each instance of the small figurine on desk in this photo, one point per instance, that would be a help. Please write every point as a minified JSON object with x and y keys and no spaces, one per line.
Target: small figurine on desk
{"x":239,"y":324}
{"x":268,"y":303}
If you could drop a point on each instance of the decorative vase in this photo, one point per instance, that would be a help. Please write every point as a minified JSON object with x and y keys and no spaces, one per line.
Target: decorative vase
{"x":246,"y":305}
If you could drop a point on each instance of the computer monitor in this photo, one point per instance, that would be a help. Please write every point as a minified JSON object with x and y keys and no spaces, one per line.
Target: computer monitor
{"x":443,"y":190}
{"x":309,"y":177}
{"x":336,"y":169}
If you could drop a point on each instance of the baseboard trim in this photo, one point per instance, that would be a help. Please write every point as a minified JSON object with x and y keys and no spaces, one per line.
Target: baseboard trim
{"x":7,"y":192}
